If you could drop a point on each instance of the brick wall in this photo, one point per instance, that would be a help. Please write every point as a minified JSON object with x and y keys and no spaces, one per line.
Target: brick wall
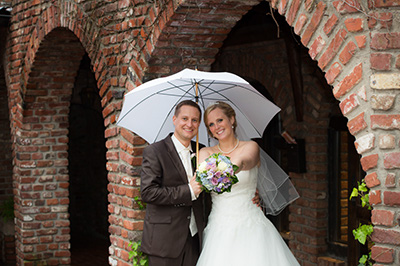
{"x":356,"y":44}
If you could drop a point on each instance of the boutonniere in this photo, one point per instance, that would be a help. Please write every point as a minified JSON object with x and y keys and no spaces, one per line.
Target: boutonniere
{"x":193,"y":160}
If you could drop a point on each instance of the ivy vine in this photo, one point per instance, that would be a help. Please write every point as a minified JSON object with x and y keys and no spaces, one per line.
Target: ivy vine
{"x":139,"y":258}
{"x":363,"y":231}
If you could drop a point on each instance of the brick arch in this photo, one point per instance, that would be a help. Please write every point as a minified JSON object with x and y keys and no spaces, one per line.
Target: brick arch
{"x":41,"y":162}
{"x":130,"y":41}
{"x":68,"y":15}
{"x":108,"y":48}
{"x":193,"y":35}
{"x":39,"y":121}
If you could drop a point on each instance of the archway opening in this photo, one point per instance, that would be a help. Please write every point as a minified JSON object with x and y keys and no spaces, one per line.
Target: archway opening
{"x":87,"y":172}
{"x":264,"y":48}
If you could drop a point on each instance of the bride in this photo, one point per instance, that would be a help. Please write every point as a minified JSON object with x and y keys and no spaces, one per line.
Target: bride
{"x":238,"y":233}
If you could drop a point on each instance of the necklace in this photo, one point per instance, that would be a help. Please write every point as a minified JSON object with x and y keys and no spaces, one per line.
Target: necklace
{"x":227,"y":152}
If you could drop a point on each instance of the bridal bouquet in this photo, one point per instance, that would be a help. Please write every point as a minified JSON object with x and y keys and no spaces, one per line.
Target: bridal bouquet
{"x":217,"y":173}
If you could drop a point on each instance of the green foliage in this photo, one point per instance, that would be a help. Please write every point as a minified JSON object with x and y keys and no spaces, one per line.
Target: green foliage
{"x":361,"y":191}
{"x":363,"y":231}
{"x":7,"y":209}
{"x":365,"y":260}
{"x":140,"y":203}
{"x":139,"y":258}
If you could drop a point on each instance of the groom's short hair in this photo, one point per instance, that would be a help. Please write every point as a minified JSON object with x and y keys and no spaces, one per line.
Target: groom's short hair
{"x":187,"y":102}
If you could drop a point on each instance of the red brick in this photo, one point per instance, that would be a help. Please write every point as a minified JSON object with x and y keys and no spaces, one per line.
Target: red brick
{"x":111,"y":132}
{"x":348,"y":6}
{"x":330,"y":24}
{"x":294,"y":8}
{"x":372,"y":180}
{"x":349,"y":104}
{"x":383,"y":217}
{"x":314,"y":22}
{"x":385,"y":122}
{"x":347,"y":53}
{"x":348,"y":82}
{"x":282,"y":7}
{"x":384,"y":41}
{"x":380,"y":61}
{"x":317,"y":46}
{"x":354,"y":24}
{"x":390,"y":181}
{"x":369,"y":162}
{"x":386,"y":20}
{"x":375,"y":197}
{"x":333,"y":72}
{"x":387,"y":141}
{"x":332,"y":49}
{"x":391,"y":160}
{"x":128,"y":135}
{"x":309,"y":5}
{"x":391,"y":198}
{"x":382,"y":255}
{"x":301,"y":21}
{"x":372,"y":19}
{"x":382,"y":3}
{"x":125,"y":157}
{"x":398,"y":61}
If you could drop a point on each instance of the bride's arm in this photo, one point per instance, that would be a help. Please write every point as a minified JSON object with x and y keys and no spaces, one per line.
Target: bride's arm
{"x":250,"y":155}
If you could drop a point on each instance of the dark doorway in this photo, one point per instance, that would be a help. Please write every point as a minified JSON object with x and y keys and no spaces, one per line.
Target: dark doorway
{"x":344,"y":173}
{"x":87,"y":171}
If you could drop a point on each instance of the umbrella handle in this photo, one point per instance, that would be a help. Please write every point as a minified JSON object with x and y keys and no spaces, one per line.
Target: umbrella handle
{"x":197,"y":150}
{"x":197,"y":135}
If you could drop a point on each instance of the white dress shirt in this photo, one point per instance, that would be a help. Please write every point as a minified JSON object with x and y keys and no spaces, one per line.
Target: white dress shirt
{"x":184,"y":154}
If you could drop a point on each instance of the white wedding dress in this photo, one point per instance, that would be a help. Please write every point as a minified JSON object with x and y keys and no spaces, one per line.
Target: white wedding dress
{"x":238,"y":233}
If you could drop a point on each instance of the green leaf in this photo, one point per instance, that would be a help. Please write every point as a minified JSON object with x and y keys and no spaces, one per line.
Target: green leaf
{"x":354,"y":193}
{"x":363,"y":260}
{"x":362,"y":232}
{"x":362,"y":187}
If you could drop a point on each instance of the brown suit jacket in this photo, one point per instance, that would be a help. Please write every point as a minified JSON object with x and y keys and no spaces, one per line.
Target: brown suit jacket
{"x":164,"y":187}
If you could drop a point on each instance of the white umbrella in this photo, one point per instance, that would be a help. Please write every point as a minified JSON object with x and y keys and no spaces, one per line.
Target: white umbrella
{"x":148,"y":109}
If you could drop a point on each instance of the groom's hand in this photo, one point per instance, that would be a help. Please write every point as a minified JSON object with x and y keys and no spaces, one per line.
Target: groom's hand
{"x":196,"y":186}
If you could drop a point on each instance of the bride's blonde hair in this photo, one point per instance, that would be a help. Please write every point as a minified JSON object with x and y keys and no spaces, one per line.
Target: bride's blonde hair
{"x":225,"y":108}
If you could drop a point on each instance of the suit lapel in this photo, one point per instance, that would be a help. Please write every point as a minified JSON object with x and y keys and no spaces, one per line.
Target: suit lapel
{"x":174,"y":156}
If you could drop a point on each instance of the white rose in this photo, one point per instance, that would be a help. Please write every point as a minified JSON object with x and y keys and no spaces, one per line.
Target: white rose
{"x":222,"y":166}
{"x":202,"y":166}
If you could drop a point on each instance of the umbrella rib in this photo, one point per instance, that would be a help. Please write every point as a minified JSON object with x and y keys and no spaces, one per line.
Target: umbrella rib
{"x":238,"y":109}
{"x":151,"y":95}
{"x":233,"y":86}
{"x":173,"y":107}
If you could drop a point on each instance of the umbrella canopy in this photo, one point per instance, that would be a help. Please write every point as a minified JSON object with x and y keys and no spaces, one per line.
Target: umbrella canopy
{"x":148,"y":109}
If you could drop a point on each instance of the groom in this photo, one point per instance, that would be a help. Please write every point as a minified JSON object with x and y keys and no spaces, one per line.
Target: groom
{"x":175,"y":218}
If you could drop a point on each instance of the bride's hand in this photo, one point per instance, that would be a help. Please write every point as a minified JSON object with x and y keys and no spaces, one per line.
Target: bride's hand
{"x":256,"y":199}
